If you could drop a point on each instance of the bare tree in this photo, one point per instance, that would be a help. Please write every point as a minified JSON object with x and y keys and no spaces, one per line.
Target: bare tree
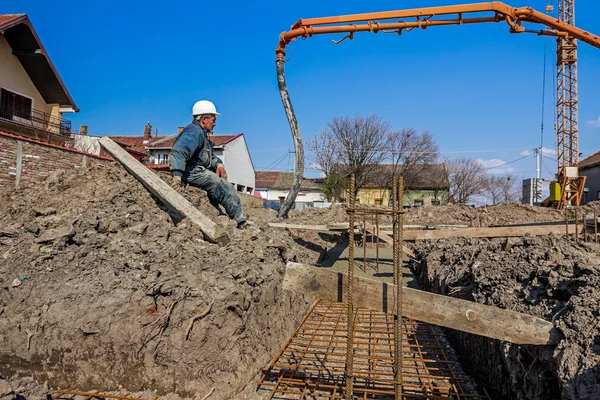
{"x":492,"y":189}
{"x":324,"y":152}
{"x":502,"y":189}
{"x":467,"y":178}
{"x":362,"y":144}
{"x":411,"y":152}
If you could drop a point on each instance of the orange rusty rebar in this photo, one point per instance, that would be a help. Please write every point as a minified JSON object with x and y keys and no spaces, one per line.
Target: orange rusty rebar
{"x":370,"y":22}
{"x":313,"y":361}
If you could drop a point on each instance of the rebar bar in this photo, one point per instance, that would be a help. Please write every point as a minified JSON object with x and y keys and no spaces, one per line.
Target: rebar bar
{"x":350,"y":313}
{"x":595,"y":227}
{"x":377,"y":241}
{"x":364,"y":239}
{"x":576,"y":227}
{"x":399,"y":184}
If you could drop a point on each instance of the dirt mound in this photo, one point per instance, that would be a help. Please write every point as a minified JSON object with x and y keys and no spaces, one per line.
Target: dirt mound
{"x":451,"y":214}
{"x":98,"y":288}
{"x":318,"y":216}
{"x":547,"y":276}
{"x":458,"y":214}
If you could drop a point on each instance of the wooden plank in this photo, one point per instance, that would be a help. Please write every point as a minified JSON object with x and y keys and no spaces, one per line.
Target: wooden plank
{"x":338,"y":226}
{"x":513,"y":231}
{"x":212,"y":232}
{"x":436,"y":309}
{"x":299,"y":227}
{"x":386,"y":238}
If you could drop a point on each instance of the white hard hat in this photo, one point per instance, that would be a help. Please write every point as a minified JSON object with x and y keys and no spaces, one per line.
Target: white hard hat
{"x":204,"y":107}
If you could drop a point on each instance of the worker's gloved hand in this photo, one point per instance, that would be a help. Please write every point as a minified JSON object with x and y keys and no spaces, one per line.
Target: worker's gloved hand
{"x":176,"y":184}
{"x":221,"y":172}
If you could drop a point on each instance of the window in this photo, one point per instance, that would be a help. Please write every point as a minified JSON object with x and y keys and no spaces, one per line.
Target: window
{"x":240,"y":188}
{"x":378,"y":202}
{"x":12,"y":104}
{"x":435,"y":202}
{"x":162,"y":158}
{"x":418,"y":202}
{"x":249,"y":190}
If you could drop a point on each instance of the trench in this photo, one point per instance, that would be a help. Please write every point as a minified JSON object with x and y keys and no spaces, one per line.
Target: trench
{"x":551,"y":277}
{"x":498,"y":365}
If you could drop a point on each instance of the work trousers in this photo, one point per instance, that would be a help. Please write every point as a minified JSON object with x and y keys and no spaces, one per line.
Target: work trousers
{"x":220,"y":192}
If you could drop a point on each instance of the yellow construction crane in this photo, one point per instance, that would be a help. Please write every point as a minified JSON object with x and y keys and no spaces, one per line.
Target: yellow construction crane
{"x":569,"y":186}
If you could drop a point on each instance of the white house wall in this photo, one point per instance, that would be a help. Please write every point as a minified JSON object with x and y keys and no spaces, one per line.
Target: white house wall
{"x":304,"y":196}
{"x":238,"y":164}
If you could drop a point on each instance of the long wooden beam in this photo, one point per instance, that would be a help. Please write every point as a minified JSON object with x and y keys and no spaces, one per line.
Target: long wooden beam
{"x":341,"y":226}
{"x":300,"y":227}
{"x":467,"y":316}
{"x":387,"y":238}
{"x":513,"y":231}
{"x":212,"y":232}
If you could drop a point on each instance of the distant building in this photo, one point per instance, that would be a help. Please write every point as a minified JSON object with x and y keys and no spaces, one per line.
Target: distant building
{"x":275,"y":186}
{"x":427,"y":185}
{"x":532,"y":192}
{"x":33,"y":97}
{"x":590,"y":167}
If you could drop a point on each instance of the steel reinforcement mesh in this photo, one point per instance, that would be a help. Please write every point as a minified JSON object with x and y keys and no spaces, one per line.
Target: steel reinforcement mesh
{"x":311,"y":363}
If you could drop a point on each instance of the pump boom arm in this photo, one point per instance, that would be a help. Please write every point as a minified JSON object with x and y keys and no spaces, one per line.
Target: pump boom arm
{"x":427,"y":17}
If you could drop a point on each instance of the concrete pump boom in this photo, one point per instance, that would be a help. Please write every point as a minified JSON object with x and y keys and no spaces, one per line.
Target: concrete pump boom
{"x":424,"y":18}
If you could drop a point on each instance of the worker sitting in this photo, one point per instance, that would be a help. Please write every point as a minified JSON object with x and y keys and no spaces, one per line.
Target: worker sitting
{"x":192,"y":161}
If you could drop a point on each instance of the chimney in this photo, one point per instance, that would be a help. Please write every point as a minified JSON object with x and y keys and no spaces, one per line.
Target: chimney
{"x":179,"y":129}
{"x":83,"y":130}
{"x":147,"y":131}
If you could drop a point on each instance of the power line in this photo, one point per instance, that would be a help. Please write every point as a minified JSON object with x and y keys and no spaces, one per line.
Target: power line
{"x":510,"y":162}
{"x":545,"y":166}
{"x":276,"y":162}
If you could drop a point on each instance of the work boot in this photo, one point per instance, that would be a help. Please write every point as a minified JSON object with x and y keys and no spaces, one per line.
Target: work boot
{"x":243,"y":225}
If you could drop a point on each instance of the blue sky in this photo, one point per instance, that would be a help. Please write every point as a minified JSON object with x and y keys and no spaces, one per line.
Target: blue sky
{"x":476,"y":87}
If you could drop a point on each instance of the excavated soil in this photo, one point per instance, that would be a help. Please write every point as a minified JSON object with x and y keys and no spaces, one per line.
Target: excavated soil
{"x":550,"y":277}
{"x":451,"y":214}
{"x":505,"y":214}
{"x":22,"y":388}
{"x":98,"y":285}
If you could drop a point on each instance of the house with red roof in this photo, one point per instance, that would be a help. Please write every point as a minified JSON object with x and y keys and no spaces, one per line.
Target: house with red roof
{"x":231,"y":149}
{"x":274,"y":186}
{"x":33,"y":97}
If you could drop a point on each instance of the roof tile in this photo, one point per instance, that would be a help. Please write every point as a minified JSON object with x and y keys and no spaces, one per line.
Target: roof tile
{"x":590,"y":161}
{"x":218,"y":140}
{"x":6,"y":18}
{"x":283,"y":180}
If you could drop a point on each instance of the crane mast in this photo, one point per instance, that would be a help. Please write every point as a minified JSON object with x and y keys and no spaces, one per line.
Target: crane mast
{"x":567,"y":130}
